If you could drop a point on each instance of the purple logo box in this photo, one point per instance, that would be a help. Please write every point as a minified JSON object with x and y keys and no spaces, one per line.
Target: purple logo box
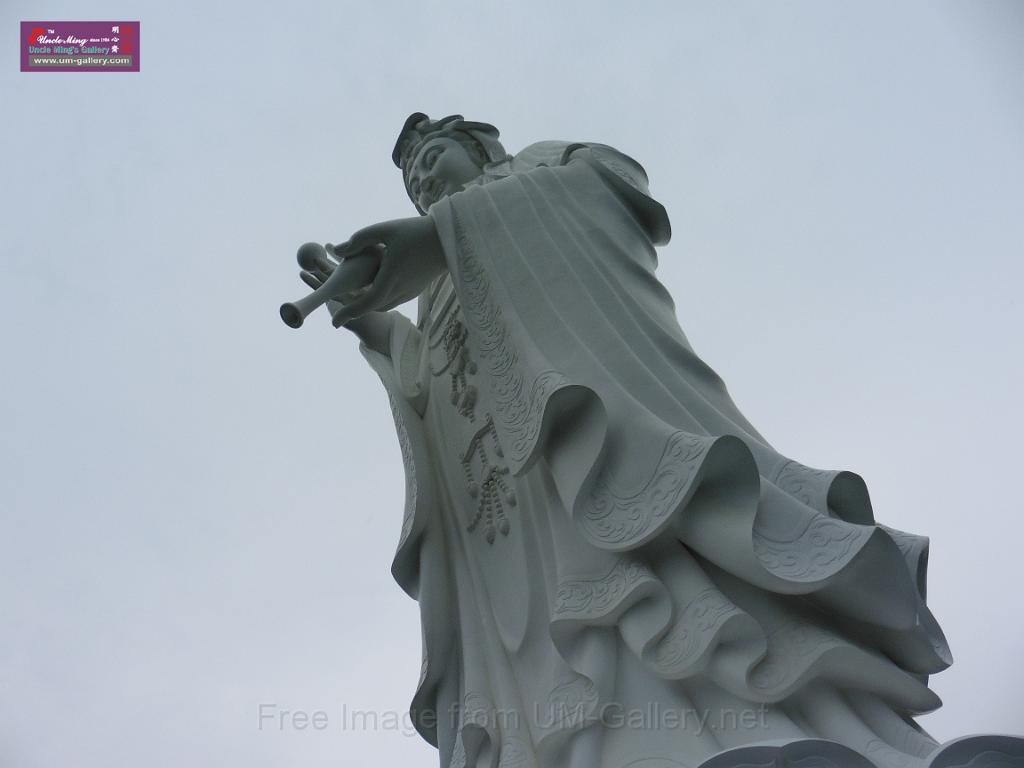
{"x":79,"y":46}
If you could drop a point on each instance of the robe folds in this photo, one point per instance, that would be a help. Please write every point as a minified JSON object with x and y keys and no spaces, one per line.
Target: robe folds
{"x":614,"y":568}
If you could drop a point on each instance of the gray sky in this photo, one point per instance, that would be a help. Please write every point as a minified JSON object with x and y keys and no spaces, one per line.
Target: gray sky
{"x":199,"y":505}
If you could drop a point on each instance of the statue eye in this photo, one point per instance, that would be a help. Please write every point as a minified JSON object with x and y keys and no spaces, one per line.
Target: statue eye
{"x":432,"y":156}
{"x":415,"y":188}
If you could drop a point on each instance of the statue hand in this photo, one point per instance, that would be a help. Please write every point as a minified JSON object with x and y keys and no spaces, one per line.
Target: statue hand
{"x":410,"y":256}
{"x":373,"y":328}
{"x":355,"y":273}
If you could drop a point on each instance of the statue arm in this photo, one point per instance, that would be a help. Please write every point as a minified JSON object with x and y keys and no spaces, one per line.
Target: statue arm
{"x":373,"y":329}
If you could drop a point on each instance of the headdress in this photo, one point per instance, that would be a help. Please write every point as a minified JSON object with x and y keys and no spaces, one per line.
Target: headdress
{"x":419,"y":128}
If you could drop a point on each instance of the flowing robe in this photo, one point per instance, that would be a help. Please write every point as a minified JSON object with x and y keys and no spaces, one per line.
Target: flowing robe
{"x":613,"y":567}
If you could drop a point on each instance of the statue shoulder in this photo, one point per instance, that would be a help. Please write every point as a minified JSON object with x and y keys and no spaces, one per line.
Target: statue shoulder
{"x":555,"y":153}
{"x":623,"y":174}
{"x":548,"y":153}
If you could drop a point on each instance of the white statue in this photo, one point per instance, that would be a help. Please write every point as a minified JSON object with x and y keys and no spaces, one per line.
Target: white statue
{"x":614,"y":568}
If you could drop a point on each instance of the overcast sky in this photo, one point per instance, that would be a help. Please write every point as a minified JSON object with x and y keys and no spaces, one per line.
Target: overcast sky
{"x":198,"y":505}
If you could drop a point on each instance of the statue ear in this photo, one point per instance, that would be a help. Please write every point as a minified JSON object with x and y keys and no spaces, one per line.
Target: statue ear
{"x":478,"y":153}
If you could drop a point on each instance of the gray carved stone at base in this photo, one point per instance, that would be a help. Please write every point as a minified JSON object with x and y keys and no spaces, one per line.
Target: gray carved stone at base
{"x":967,"y":752}
{"x":980,"y":752}
{"x":614,"y":568}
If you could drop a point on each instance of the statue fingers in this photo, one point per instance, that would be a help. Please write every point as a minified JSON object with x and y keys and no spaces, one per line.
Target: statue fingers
{"x":368,"y":237}
{"x":355,"y":308}
{"x":312,"y":280}
{"x":374,"y":298}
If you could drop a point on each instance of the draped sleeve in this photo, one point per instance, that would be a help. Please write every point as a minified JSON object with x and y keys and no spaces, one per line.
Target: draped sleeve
{"x":579,"y":483}
{"x":586,"y":368}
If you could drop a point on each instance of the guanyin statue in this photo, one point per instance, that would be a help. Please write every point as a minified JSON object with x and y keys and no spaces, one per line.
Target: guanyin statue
{"x":613,"y":567}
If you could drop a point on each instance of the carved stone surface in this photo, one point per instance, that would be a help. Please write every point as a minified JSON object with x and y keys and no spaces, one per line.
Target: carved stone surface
{"x":615,"y":569}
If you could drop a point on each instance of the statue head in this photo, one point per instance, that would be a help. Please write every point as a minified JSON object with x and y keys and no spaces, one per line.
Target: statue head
{"x":439,"y":157}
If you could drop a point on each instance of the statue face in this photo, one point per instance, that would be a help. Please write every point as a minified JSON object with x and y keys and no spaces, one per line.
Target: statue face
{"x":442,"y":166}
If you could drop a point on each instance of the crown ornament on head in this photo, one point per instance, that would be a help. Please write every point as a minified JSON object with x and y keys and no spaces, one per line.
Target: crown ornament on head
{"x":419,"y":129}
